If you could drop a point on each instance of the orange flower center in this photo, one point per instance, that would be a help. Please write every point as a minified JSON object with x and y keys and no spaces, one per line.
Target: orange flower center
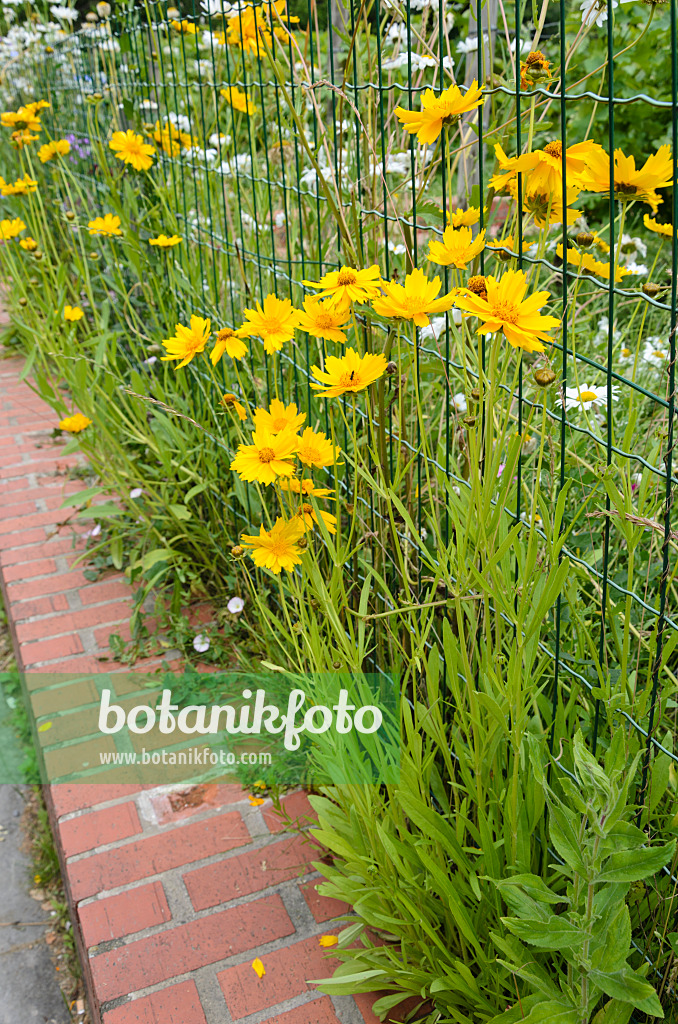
{"x":307,"y":509}
{"x":280,"y":547}
{"x":266,"y":455}
{"x":349,"y":380}
{"x":554,"y":149}
{"x":324,"y":321}
{"x":506,"y":311}
{"x":309,"y":454}
{"x":280,"y":423}
{"x":476,"y":284}
{"x":272,"y":325}
{"x":346,"y":277}
{"x":224,"y":334}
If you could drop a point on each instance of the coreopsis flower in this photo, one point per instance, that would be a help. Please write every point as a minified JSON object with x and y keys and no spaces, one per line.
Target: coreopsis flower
{"x":184,"y":27}
{"x":26,"y":118}
{"x":457,"y":248}
{"x":231,"y":402}
{"x":268,"y":457}
{"x":165,"y":241}
{"x":309,"y":517}
{"x":230,"y":342}
{"x":324,"y":319}
{"x":108,"y":225}
{"x":74,"y":424}
{"x":587,"y":396}
{"x":438,"y":112}
{"x":171,"y":139}
{"x":463,"y":218}
{"x":498,"y":245}
{"x":507,"y":310}
{"x":11,"y":228}
{"x":249,"y":30}
{"x":306,"y":487}
{"x":351,"y":372}
{"x":316,"y":450}
{"x":73,"y":313}
{"x":660,"y":229}
{"x":347,"y":285}
{"x":29,"y":244}
{"x":628,"y":182}
{"x":275,"y":549}
{"x":59,"y":147}
{"x":21,"y":187}
{"x":274,"y":322}
{"x":22,"y":138}
{"x":131,"y":149}
{"x":510,"y":167}
{"x":547,"y":207}
{"x":415,"y":300}
{"x":534,"y":69}
{"x":238,"y":99}
{"x":547,"y":173}
{"x":279,"y":417}
{"x":188,"y":341}
{"x":585,"y":262}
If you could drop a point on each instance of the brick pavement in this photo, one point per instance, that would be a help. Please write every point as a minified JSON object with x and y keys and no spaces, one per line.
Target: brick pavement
{"x":171,"y":898}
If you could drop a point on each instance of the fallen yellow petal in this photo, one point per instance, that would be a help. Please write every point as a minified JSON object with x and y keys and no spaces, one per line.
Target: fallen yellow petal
{"x":328,"y":940}
{"x":44,"y":727}
{"x":256,"y":801}
{"x":258,"y":968}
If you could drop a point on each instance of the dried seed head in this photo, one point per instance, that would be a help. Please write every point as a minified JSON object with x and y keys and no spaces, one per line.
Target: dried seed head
{"x":336,"y":664}
{"x":350,"y":509}
{"x":544,"y":377}
{"x":391,"y":368}
{"x":470,"y":421}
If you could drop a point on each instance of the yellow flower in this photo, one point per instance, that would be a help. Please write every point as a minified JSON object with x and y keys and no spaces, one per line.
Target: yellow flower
{"x":275,"y":549}
{"x":109,"y":224}
{"x":507,"y":243}
{"x":275,"y":323}
{"x":267,"y":457}
{"x":628,"y":182}
{"x":351,"y":372}
{"x":131,"y":149}
{"x":22,"y":138}
{"x":546,"y":175}
{"x":26,"y":118}
{"x":652,"y":225}
{"x":21,"y":187}
{"x":463,"y":218}
{"x":587,"y":264}
{"x":324,"y":319}
{"x":187,"y":28}
{"x":238,"y":99}
{"x":309,"y":515}
{"x":305,"y":487}
{"x":165,"y":241}
{"x":439,"y":111}
{"x":59,"y":147}
{"x":230,"y":342}
{"x":11,"y":228}
{"x":188,"y":341}
{"x":170,"y":139}
{"x":510,"y":167}
{"x":328,"y":940}
{"x":314,"y":449}
{"x":73,"y":313}
{"x":506,"y":309}
{"x":248,"y":30}
{"x":457,"y":248}
{"x":279,"y":417}
{"x":546,"y":206}
{"x":29,"y":244}
{"x":74,"y":424}
{"x":415,"y":301}
{"x":348,"y":285}
{"x":231,"y":402}
{"x":536,"y":68}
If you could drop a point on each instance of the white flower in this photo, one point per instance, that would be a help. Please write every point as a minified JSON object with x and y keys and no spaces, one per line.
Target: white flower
{"x":596,"y":10}
{"x":434,"y":329}
{"x":201,"y":643}
{"x":654,"y":353}
{"x":180,"y":121}
{"x":626,"y":355}
{"x":95,"y":531}
{"x":636,"y":268}
{"x":470,"y":44}
{"x":397,"y":249}
{"x":397,"y":33}
{"x":587,"y":395}
{"x":64,"y":13}
{"x":459,"y":402}
{"x":136,"y":492}
{"x":151,"y":360}
{"x":219,"y":139}
{"x":525,"y":46}
{"x":457,"y":316}
{"x":279,"y":219}
{"x":235,"y":605}
{"x":148,"y":105}
{"x":630,"y":246}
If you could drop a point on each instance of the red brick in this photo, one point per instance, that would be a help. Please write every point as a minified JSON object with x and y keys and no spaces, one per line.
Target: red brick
{"x":108,"y":590}
{"x":287,"y":972}
{"x":22,"y":610}
{"x":61,"y":582}
{"x":25,"y":570}
{"x":178,"y":1004}
{"x":50,"y":650}
{"x":323,"y":908}
{"x":64,"y":698}
{"x":75,"y":620}
{"x":75,"y":796}
{"x":248,"y":872}
{"x":33,"y":536}
{"x":30,"y":552}
{"x":189,"y":946}
{"x":94,"y":828}
{"x":296,"y":807}
{"x":154,"y":854}
{"x":102,"y":636}
{"x":318,"y":1011}
{"x":127,"y":912}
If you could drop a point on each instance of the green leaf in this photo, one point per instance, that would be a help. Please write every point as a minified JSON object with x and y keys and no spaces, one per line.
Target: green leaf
{"x":629,"y":988}
{"x":103,"y":511}
{"x":634,"y":865}
{"x":152,"y":558}
{"x":551,"y":934}
{"x":81,"y":497}
{"x":194,"y":491}
{"x":180,"y":511}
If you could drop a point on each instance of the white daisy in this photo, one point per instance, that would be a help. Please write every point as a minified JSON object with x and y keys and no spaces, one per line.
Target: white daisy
{"x":434,"y":329}
{"x":655,"y":352}
{"x":459,"y":402}
{"x":587,"y":396}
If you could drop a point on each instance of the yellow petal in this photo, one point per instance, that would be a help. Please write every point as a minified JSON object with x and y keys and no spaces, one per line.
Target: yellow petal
{"x":44,"y":727}
{"x":258,"y":968}
{"x":328,"y":940}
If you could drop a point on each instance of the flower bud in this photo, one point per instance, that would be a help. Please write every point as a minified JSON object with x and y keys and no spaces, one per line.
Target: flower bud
{"x":37,"y":255}
{"x":93,"y":255}
{"x":475,"y":394}
{"x":302,"y":543}
{"x":336,"y":664}
{"x":103,"y":9}
{"x":470,"y":421}
{"x":70,"y":215}
{"x":350,"y":509}
{"x":391,"y":368}
{"x":237,"y":551}
{"x":23,"y":301}
{"x":651,"y":289}
{"x":544,"y":377}
{"x":585,"y":239}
